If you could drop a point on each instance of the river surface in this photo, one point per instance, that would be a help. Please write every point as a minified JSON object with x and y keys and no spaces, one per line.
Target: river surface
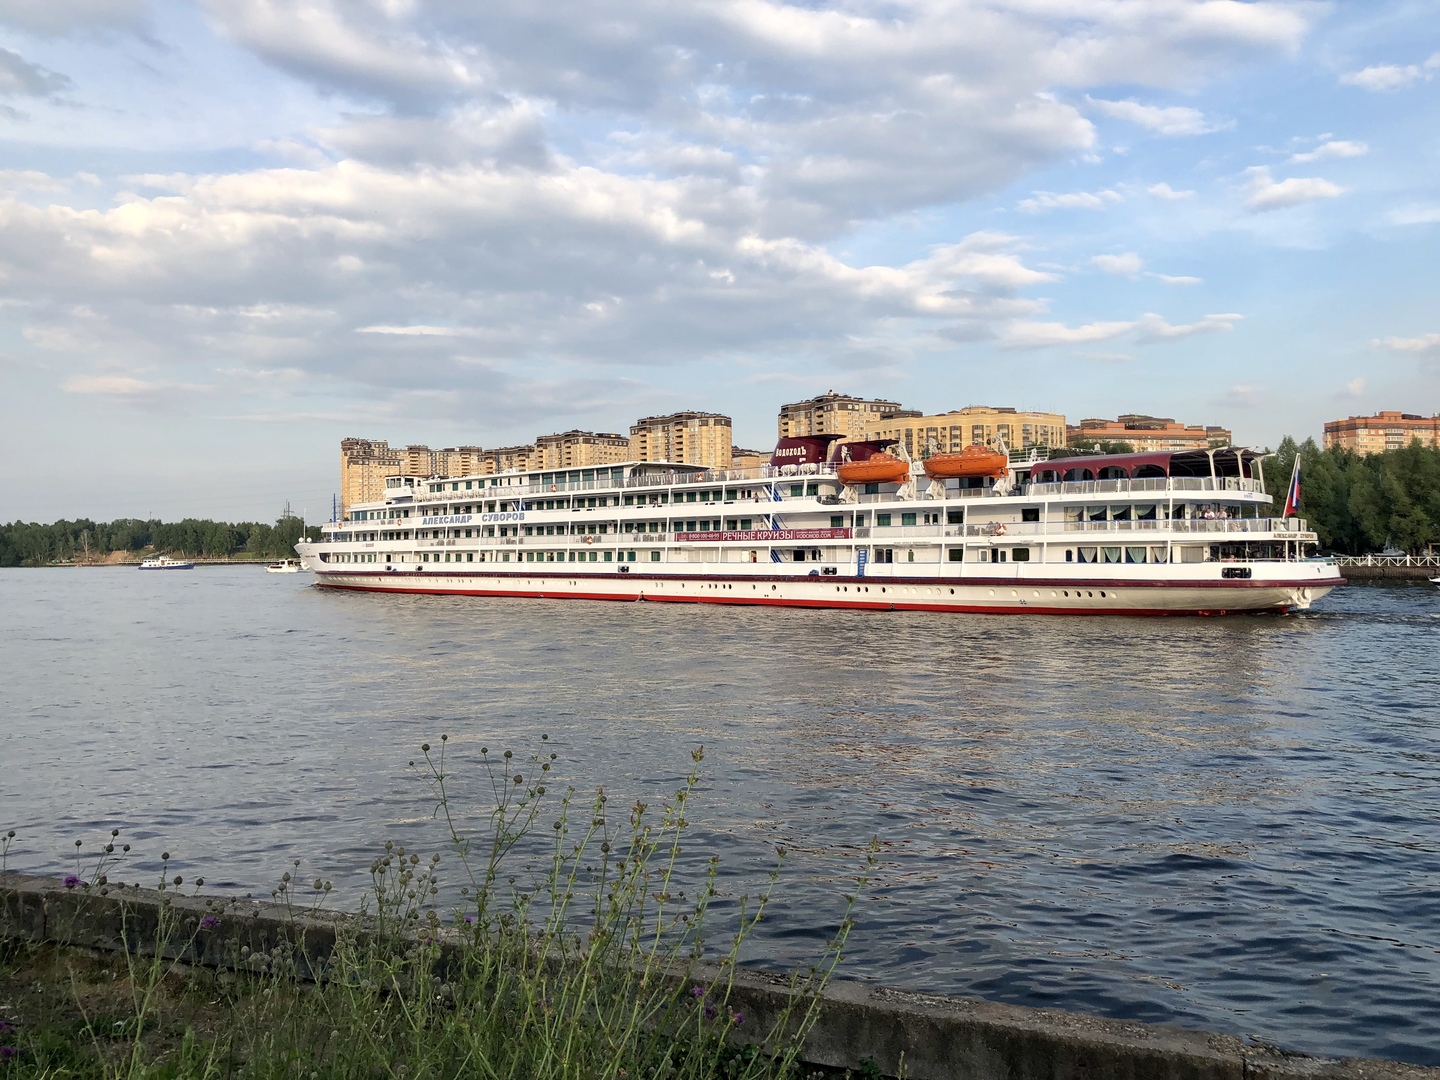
{"x":1230,"y":824}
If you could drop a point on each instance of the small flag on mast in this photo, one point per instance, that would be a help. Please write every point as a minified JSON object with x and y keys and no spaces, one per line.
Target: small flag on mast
{"x":1292,"y":497}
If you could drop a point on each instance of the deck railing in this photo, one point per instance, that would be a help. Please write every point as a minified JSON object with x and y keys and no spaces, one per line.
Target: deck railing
{"x":1387,"y":560}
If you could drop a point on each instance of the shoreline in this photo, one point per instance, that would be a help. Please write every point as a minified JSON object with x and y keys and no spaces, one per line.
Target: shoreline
{"x":860,"y":1026}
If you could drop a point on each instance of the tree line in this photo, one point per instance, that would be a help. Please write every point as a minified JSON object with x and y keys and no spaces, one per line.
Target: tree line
{"x":83,"y":540}
{"x":1359,"y":503}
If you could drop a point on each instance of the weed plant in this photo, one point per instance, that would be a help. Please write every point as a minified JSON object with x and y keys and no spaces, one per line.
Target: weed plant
{"x":569,"y":950}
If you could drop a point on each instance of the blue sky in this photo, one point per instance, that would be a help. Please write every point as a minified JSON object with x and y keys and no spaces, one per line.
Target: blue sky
{"x":232,"y":233}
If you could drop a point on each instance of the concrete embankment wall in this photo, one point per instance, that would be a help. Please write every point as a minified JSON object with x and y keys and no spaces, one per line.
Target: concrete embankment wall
{"x":930,"y":1036}
{"x":1361,"y":572}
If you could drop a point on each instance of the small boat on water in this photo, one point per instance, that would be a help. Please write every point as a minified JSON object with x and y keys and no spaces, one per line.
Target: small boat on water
{"x":164,"y":562}
{"x":973,"y":461}
{"x":284,"y":566}
{"x":881,"y":468}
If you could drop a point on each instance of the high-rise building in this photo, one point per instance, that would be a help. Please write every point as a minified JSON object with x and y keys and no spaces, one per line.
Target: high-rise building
{"x":740,"y":458}
{"x":951,"y":432}
{"x":833,"y":414}
{"x":511,"y":458}
{"x":1381,"y":432}
{"x":572,"y":449}
{"x":364,"y":465}
{"x":1149,"y":433}
{"x":689,"y":438}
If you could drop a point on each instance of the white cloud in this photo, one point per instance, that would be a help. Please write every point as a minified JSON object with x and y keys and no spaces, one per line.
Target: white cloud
{"x":1382,"y":78}
{"x":1148,"y":328}
{"x":1334,"y":148}
{"x":1424,"y":344}
{"x":1124,"y":264}
{"x":1263,"y":192}
{"x":1169,"y":194}
{"x":1178,"y":279}
{"x":129,"y":388}
{"x":1243,"y":395}
{"x":1042,"y":201}
{"x":20,"y":78}
{"x":1355,"y":387}
{"x":1163,"y":120}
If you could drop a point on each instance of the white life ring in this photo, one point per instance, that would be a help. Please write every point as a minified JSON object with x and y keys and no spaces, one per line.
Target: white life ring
{"x":589,"y":539}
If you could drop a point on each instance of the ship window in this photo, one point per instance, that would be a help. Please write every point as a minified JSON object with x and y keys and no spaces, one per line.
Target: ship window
{"x":1097,"y":513}
{"x":955,"y":517}
{"x":812,"y":489}
{"x":1149,"y":471}
{"x":629,"y":500}
{"x":529,"y":556}
{"x":630,"y":556}
{"x":907,"y":519}
{"x":1020,"y":555}
{"x":956,"y":554}
{"x":799,"y":555}
{"x":654,"y":556}
{"x":1145,"y":512}
{"x":882,"y":520}
{"x":1069,"y":555}
{"x":1134,"y":554}
{"x":469,"y":556}
{"x":910,"y":555}
{"x":505,"y":556}
{"x":1110,"y":554}
{"x":1030,"y":513}
{"x":797,"y":490}
{"x":837,"y":521}
{"x":872,"y":489}
{"x":745,"y":523}
{"x":1157,"y":554}
{"x":467,"y":485}
{"x":690,"y":496}
{"x":1120,"y":513}
{"x":609,"y":556}
{"x":1089,"y":554}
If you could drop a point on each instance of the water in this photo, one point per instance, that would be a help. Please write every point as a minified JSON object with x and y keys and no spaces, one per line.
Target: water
{"x":1230,"y":824}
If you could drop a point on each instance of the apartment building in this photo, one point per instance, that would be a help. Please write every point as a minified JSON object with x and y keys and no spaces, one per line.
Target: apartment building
{"x":572,"y":449}
{"x":1381,"y":432}
{"x":690,"y":438}
{"x":1150,"y":433}
{"x":740,"y":458}
{"x":510,"y":458}
{"x":833,"y":414}
{"x":951,"y":432}
{"x":365,"y":463}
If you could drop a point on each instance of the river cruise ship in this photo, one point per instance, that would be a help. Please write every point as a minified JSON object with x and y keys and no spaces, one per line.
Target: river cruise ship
{"x":849,"y":526}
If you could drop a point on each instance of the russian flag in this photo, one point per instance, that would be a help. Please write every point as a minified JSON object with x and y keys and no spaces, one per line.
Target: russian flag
{"x":1292,"y":497}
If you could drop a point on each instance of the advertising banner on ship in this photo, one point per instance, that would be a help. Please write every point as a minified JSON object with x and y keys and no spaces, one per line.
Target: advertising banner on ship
{"x":765,"y":536}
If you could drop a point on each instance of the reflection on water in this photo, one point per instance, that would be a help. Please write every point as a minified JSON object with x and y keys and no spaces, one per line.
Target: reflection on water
{"x":1220,"y":823}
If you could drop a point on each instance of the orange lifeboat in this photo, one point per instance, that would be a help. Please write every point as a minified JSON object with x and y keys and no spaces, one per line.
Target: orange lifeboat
{"x":881,"y":468}
{"x":974,"y":460}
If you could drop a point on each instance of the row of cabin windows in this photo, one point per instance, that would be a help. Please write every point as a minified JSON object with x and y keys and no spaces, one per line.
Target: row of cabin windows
{"x":534,"y":556}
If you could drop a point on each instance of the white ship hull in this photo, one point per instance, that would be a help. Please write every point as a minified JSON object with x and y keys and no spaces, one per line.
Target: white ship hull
{"x":1025,"y":593}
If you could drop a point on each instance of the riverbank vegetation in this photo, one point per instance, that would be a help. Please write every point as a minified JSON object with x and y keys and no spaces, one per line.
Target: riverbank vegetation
{"x":1363,"y":503}
{"x":86,"y":541}
{"x":555,"y":938}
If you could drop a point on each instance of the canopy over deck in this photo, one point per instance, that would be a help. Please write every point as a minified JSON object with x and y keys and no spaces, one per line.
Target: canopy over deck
{"x":1221,"y":461}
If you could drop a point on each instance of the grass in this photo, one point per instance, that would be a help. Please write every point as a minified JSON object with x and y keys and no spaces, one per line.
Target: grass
{"x":555,"y":938}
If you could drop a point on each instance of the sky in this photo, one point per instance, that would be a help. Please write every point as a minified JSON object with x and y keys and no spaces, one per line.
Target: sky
{"x":233,"y":232}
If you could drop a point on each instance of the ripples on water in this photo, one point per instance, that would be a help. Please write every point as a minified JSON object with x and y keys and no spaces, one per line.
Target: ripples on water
{"x":1229,"y":824}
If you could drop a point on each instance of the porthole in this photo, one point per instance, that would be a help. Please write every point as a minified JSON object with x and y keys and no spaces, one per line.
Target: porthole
{"x":1037,"y":594}
{"x":1090,"y":594}
{"x":992,"y":592}
{"x":1102,"y":595}
{"x":1014,"y":593}
{"x":952,"y":592}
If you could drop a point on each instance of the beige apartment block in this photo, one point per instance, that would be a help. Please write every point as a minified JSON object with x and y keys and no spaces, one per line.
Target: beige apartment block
{"x":689,"y":438}
{"x":364,"y":465}
{"x":1150,"y":433}
{"x":740,"y":458}
{"x":951,"y":432}
{"x":833,"y":414}
{"x":1381,"y":432}
{"x":511,"y":459}
{"x":573,"y":449}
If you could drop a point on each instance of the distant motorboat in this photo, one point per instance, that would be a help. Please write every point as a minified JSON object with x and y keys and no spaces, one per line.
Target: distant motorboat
{"x":284,"y":566}
{"x":164,"y":562}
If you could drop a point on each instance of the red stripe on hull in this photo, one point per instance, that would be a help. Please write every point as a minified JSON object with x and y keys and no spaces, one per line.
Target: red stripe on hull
{"x":776,"y":601}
